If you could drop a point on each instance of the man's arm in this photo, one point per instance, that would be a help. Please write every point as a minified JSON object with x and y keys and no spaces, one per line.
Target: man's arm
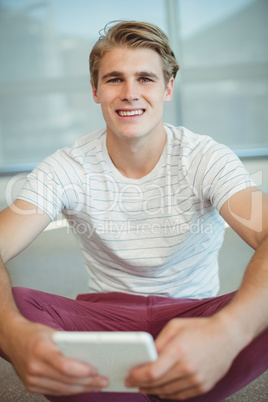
{"x":19,"y":225}
{"x":29,"y":346}
{"x":247,"y":213}
{"x":187,"y":348}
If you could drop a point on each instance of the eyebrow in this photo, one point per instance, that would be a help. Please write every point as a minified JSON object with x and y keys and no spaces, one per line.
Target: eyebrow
{"x":114,"y":74}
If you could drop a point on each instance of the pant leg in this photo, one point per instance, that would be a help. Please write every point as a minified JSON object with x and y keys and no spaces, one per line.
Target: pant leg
{"x":112,"y":312}
{"x":250,"y":363}
{"x":102,"y":397}
{"x":163,"y":309}
{"x":93,"y":312}
{"x":32,"y":305}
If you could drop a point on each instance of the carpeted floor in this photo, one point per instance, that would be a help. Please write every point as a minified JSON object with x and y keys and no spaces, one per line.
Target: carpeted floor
{"x":12,"y":390}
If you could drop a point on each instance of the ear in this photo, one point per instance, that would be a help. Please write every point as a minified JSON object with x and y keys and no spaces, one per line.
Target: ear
{"x":169,"y":90}
{"x":95,"y":93}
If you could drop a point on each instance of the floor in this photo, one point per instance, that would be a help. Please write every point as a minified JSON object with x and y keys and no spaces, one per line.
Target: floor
{"x":46,"y":255}
{"x":12,"y":390}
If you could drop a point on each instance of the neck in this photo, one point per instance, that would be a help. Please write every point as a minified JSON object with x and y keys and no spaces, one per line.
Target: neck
{"x":135,"y":158}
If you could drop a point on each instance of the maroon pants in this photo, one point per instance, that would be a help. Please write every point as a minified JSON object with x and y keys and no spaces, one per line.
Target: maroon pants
{"x":124,"y":312}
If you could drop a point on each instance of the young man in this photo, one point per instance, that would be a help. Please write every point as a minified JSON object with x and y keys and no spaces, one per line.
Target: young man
{"x":143,"y":192}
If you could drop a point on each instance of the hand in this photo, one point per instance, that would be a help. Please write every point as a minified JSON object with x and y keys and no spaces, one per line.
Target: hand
{"x":194,"y":354}
{"x":43,"y":369}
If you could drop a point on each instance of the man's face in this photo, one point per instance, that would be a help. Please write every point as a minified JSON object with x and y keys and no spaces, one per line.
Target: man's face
{"x":132,"y":92}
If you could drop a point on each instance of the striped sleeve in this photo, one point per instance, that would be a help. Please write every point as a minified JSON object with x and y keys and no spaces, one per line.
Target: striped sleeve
{"x":215,"y":171}
{"x":53,"y":185}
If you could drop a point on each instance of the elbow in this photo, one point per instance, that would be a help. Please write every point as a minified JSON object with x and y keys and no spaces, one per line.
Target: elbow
{"x":5,"y":256}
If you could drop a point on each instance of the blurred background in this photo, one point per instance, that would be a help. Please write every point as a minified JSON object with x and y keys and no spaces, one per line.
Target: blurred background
{"x":45,"y":93}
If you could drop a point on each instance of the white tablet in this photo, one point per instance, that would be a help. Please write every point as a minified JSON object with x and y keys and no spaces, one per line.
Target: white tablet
{"x":112,"y":353}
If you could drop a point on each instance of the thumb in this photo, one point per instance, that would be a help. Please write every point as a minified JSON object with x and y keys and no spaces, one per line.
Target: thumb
{"x":168,"y":333}
{"x":169,"y":356}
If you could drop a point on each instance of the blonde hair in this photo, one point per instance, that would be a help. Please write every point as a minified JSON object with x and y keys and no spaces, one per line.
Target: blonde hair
{"x":133,"y":34}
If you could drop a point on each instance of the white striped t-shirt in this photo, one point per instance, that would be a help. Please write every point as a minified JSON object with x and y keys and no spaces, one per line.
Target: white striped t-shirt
{"x":158,"y":235}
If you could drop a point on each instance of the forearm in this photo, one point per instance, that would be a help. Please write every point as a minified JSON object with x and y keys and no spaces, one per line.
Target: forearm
{"x":20,"y":223}
{"x":248,"y":311}
{"x":9,"y":313}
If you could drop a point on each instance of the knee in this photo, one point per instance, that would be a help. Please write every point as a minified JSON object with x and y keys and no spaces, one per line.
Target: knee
{"x":26,"y":299}
{"x":21,"y":294}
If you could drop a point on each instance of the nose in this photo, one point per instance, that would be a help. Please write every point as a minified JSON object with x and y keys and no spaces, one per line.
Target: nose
{"x":129,"y":91}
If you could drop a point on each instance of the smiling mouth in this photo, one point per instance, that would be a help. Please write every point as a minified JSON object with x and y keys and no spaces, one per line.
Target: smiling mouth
{"x":124,"y":113}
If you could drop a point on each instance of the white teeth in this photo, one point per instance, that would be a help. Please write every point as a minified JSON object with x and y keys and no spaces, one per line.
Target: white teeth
{"x":130,"y":113}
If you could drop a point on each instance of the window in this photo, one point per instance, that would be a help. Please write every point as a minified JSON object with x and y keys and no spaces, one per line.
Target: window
{"x":224,"y":74}
{"x":45,"y":92}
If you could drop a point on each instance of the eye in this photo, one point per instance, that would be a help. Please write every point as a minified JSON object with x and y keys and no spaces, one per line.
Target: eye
{"x":114,"y":80}
{"x":145,"y":79}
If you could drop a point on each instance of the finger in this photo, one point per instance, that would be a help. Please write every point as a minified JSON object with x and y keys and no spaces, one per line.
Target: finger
{"x":72,"y":367}
{"x":45,"y":370}
{"x":182,"y":395}
{"x":178,"y":389}
{"x":48,"y":352}
{"x":53,"y":382}
{"x":172,"y":381}
{"x":164,"y":337}
{"x":68,"y":366}
{"x":167,"y":379}
{"x":169,"y":357}
{"x":168,"y":333}
{"x":59,"y":370}
{"x":51,"y":387}
{"x":149,"y":373}
{"x":172,"y":387}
